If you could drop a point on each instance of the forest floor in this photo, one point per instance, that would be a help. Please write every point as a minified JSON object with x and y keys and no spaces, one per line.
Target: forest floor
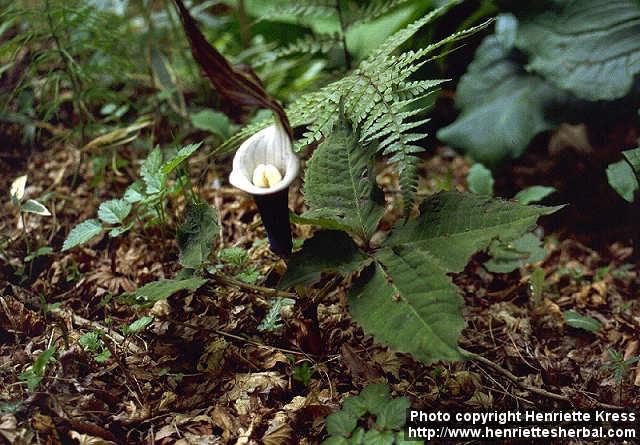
{"x":203,"y":373}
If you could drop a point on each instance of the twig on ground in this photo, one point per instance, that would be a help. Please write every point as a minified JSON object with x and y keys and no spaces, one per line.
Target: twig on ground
{"x":84,"y":323}
{"x":518,"y":381}
{"x":224,"y":279}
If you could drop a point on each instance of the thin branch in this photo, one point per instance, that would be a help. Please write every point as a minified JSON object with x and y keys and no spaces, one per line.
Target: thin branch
{"x":518,"y":381}
{"x":224,"y":279}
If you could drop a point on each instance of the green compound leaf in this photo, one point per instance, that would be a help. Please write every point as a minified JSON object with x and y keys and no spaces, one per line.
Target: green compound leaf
{"x":159,"y":290}
{"x":179,"y":158}
{"x":393,"y":414}
{"x":406,"y":300}
{"x":195,"y":236}
{"x":341,"y":423}
{"x":151,"y":172}
{"x":340,"y":188}
{"x":375,"y":437}
{"x":114,"y":211}
{"x":327,"y":251}
{"x":588,"y":47}
{"x":82,"y":233}
{"x":502,"y":106}
{"x":374,"y":397}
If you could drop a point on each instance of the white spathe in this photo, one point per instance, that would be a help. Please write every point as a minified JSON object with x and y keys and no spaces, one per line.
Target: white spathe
{"x":269,"y":146}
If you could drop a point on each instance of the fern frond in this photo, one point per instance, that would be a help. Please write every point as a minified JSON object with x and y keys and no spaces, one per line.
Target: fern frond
{"x":381,"y":101}
{"x":374,"y":10}
{"x":301,"y":9}
{"x":309,"y":44}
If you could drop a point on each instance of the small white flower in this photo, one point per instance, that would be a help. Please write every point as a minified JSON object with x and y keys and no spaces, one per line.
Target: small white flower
{"x":265,"y":163}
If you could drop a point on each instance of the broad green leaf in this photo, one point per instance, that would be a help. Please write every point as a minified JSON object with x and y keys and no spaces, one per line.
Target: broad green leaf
{"x":623,"y":179}
{"x":393,"y":414}
{"x":480,"y":180}
{"x":374,"y":397}
{"x":335,"y":440}
{"x":33,"y":206}
{"x":357,"y":436}
{"x":159,"y":290}
{"x":179,"y":158}
{"x":633,"y":157}
{"x":339,"y":186}
{"x":535,"y":193}
{"x":588,"y":47}
{"x":234,"y":256}
{"x":82,"y":233}
{"x":134,"y":193}
{"x":327,"y":251}
{"x":406,"y":300}
{"x":138,"y":326}
{"x":341,"y":423}
{"x":502,"y":107}
{"x":401,"y":441}
{"x":509,"y":256}
{"x":355,"y":405}
{"x":103,"y":356}
{"x":114,"y":211}
{"x":575,"y":320}
{"x":375,"y":437}
{"x":33,"y":376}
{"x":212,"y":121}
{"x":151,"y":172}
{"x":195,"y":236}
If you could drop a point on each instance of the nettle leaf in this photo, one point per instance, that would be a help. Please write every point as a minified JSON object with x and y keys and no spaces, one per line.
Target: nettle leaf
{"x":340,"y":188}
{"x":151,"y":172}
{"x":162,"y":289}
{"x":502,"y":106}
{"x":33,"y":206}
{"x":406,"y":300}
{"x":588,"y":47}
{"x":114,"y":211}
{"x":179,"y":158}
{"x":195,"y":236}
{"x":82,"y":233}
{"x":327,"y":251}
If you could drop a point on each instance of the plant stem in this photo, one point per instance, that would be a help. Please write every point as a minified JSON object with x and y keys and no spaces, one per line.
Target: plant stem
{"x":343,"y":35}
